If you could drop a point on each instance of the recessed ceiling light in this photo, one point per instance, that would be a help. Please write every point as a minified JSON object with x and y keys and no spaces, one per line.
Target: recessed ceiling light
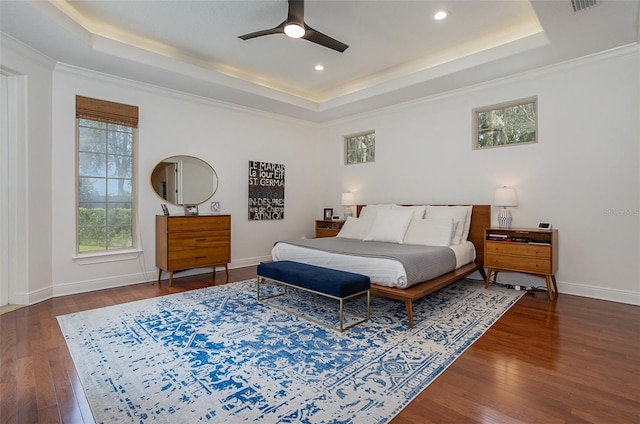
{"x":440,"y":15}
{"x":319,"y":68}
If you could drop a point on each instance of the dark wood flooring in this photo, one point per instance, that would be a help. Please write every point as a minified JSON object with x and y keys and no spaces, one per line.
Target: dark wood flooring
{"x":574,"y":360}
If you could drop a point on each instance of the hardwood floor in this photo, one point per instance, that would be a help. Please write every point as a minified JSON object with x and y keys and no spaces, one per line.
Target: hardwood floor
{"x":574,"y":360}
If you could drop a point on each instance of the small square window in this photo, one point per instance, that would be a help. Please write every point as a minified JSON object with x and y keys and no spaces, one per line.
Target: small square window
{"x":360,"y":148}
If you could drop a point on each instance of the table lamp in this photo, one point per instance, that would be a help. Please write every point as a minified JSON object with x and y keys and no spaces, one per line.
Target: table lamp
{"x":505,"y":197}
{"x":348,"y":200}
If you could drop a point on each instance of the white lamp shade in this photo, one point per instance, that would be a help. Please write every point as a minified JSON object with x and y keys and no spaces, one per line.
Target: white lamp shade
{"x":348,"y":199}
{"x":505,"y":196}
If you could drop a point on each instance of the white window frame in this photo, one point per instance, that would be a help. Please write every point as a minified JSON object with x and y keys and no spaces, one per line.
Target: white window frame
{"x":347,"y":150}
{"x":499,"y":109}
{"x":107,"y":255}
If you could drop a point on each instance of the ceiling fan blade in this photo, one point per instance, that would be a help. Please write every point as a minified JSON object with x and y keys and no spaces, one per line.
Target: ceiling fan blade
{"x":277,"y":30}
{"x":323,"y":39}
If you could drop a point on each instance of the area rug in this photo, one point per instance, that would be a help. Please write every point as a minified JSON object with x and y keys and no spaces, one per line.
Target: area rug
{"x":217,"y":355}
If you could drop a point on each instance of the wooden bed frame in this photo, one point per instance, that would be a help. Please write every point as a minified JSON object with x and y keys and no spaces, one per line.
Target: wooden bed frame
{"x":480,"y":219}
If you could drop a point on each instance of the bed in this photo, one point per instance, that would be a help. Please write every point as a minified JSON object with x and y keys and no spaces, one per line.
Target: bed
{"x":398,"y":267}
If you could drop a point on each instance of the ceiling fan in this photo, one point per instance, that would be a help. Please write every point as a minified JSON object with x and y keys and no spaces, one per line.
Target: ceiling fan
{"x":295,"y":27}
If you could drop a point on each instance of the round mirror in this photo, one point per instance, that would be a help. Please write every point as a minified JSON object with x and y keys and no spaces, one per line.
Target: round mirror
{"x":184,"y":180}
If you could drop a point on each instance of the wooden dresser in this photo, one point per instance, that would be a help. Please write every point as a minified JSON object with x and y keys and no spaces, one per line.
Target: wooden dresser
{"x":525,"y":250}
{"x":184,"y":242}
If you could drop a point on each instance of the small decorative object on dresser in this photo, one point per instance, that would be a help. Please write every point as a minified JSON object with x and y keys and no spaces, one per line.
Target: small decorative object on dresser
{"x":184,"y":242}
{"x":328,"y":213}
{"x":165,"y":210}
{"x":191,"y":209}
{"x":525,"y":250}
{"x":215,"y":208}
{"x":327,"y":228}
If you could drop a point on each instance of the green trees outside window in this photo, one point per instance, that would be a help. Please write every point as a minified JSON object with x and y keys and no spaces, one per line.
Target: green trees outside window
{"x":360,"y":148}
{"x":506,"y":124}
{"x":105,"y":186}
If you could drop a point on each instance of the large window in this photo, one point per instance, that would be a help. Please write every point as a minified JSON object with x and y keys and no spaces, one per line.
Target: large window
{"x":106,"y":134}
{"x":506,"y":124}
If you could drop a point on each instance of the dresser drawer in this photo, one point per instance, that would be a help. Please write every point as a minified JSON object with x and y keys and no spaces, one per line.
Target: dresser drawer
{"x":518,"y":263}
{"x":198,"y":223}
{"x":197,"y":240}
{"x":188,"y":258}
{"x":519,"y":249}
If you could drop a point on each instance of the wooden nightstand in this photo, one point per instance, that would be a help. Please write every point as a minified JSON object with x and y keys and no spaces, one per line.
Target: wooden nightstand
{"x":325,"y":228}
{"x":525,"y":250}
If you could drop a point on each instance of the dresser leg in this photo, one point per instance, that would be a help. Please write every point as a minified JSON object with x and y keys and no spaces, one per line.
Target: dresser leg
{"x":549,"y":288}
{"x":170,"y":278}
{"x":226,"y":270}
{"x":555,"y":286}
{"x":159,"y":275}
{"x":488,"y":277}
{"x":482,"y":273}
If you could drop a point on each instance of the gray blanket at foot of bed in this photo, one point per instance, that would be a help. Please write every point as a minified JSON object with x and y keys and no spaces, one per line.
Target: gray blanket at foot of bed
{"x":421,"y":263}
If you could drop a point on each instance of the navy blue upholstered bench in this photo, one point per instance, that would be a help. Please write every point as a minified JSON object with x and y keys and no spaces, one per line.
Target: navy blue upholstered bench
{"x":331,"y":283}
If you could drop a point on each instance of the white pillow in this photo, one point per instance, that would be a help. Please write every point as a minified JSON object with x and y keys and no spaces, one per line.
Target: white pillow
{"x":355,"y":228}
{"x":390,"y":225}
{"x":430,"y":232}
{"x":461,"y":216}
{"x":418,"y":211}
{"x":370,"y":211}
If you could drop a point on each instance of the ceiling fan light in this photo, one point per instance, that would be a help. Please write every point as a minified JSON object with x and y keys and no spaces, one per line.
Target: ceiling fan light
{"x":294,"y":30}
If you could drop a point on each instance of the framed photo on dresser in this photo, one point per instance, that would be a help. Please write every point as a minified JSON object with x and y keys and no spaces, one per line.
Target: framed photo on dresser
{"x":191,"y":210}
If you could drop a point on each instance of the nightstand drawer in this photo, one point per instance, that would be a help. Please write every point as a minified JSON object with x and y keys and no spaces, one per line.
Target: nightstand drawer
{"x":518,"y":249}
{"x":518,"y":263}
{"x":326,"y":232}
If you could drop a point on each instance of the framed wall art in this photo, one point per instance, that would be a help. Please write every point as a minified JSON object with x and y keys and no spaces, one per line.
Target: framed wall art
{"x":266,"y":191}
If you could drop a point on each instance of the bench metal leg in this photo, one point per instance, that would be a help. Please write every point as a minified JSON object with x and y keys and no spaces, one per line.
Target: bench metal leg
{"x":341,"y":300}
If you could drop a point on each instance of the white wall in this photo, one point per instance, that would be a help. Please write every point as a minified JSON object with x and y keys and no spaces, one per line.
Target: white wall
{"x":29,"y":170}
{"x":583,"y":176}
{"x":175,"y":124}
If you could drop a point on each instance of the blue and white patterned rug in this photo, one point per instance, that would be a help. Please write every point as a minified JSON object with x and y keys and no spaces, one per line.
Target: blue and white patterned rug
{"x":217,"y":355}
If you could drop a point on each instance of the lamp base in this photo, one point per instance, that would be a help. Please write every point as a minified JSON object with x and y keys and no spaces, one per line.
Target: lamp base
{"x":504,"y":218}
{"x":347,"y":212}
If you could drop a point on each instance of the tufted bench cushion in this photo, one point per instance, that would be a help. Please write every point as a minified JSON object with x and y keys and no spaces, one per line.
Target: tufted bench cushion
{"x":335,"y":284}
{"x":311,"y":277}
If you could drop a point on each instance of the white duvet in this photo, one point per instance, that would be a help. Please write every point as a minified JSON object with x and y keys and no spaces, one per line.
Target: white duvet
{"x":382,"y":271}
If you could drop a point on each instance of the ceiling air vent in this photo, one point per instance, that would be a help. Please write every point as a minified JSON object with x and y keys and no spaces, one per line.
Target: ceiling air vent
{"x":579,"y":5}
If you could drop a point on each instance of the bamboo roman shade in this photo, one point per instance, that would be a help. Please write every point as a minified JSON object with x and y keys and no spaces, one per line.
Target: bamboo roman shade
{"x":104,"y":111}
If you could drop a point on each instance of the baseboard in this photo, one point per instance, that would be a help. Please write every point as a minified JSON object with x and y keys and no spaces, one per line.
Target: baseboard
{"x":64,"y":289}
{"x":574,"y":289}
{"x":76,"y":287}
{"x":613,"y":295}
{"x":32,"y":297}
